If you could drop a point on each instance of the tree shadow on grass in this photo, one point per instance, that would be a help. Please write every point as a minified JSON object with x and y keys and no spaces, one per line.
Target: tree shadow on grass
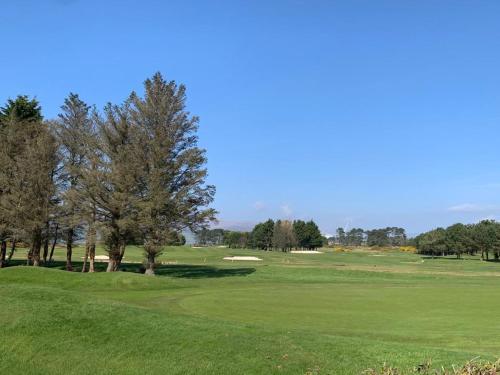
{"x":187,"y":271}
{"x":199,"y":272}
{"x":61,"y":265}
{"x":429,"y":257}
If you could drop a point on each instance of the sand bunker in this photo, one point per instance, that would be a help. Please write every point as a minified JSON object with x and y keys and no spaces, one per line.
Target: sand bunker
{"x":101,"y":258}
{"x":241,"y":258}
{"x":306,"y":252}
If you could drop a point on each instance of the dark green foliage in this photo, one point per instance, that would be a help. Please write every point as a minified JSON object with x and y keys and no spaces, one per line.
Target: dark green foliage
{"x":355,"y":237}
{"x":457,"y":239}
{"x":341,"y":236}
{"x":74,"y":128}
{"x":301,"y":234}
{"x":236,"y":240}
{"x":262,"y":235}
{"x":131,"y":174}
{"x":284,"y":236}
{"x":377,"y":237}
{"x":24,"y":157}
{"x":432,"y":242}
{"x":313,"y":236}
{"x":21,"y":109}
{"x":170,"y":176}
{"x":483,"y":237}
{"x":211,"y":237}
{"x":28,"y":159}
{"x":390,"y":236}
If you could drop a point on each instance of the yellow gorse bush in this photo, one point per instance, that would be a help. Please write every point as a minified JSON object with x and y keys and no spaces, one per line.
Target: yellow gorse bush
{"x":408,"y":249}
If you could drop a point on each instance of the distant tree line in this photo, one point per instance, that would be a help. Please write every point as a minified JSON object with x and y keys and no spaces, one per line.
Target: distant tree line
{"x":390,"y":236}
{"x":131,"y":173}
{"x":481,"y":238}
{"x":281,"y":235}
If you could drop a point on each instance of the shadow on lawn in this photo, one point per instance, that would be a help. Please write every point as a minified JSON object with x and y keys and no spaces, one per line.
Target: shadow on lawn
{"x":173,"y":270}
{"x":429,"y":257}
{"x":198,"y":272}
{"x":491,"y":260}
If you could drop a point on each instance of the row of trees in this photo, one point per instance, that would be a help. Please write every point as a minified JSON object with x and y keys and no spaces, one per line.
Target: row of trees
{"x":390,"y":236}
{"x":281,"y":235}
{"x":132,"y":173}
{"x":457,"y":239}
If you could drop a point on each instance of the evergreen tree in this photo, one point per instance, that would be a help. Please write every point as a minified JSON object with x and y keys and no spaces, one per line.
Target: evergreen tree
{"x":28,"y":189}
{"x":341,"y":236}
{"x":21,"y":109}
{"x":457,"y":239}
{"x":485,"y":237}
{"x":172,"y":194}
{"x":114,"y":179}
{"x":72,"y":128}
{"x":13,"y":116}
{"x":300,"y":230}
{"x":262,"y":235}
{"x":314,"y":238}
{"x":283,"y":235}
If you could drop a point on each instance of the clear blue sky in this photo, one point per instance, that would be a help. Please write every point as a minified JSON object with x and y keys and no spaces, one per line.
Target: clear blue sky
{"x":365,"y":113}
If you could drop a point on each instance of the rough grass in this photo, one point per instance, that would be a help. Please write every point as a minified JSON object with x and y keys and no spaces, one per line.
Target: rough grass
{"x":289,"y":314}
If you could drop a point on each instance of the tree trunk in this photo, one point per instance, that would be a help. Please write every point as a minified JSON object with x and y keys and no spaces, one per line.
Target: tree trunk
{"x":69,"y":250}
{"x":90,"y":247}
{"x":150,"y":268}
{"x":84,"y":267}
{"x":53,"y":244}
{"x":91,"y":256}
{"x":111,"y":264}
{"x":12,"y":250}
{"x":46,"y":242}
{"x":120,"y":256}
{"x":3,"y":253}
{"x":115,"y":258}
{"x":45,"y":249}
{"x":28,"y":256}
{"x":37,"y":245}
{"x":114,"y":254}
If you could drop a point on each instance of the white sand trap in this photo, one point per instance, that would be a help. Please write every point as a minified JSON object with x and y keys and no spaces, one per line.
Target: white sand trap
{"x":241,"y":258}
{"x":306,"y":252}
{"x":377,"y":255}
{"x":99,"y":257}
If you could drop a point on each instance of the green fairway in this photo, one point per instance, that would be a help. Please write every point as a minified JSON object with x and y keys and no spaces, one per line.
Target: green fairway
{"x":330,"y":313}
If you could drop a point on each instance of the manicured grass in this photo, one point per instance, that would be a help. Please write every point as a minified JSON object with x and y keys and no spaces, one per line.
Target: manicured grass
{"x":331,"y":313}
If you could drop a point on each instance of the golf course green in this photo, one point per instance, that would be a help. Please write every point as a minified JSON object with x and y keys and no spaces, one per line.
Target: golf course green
{"x":328,"y":313}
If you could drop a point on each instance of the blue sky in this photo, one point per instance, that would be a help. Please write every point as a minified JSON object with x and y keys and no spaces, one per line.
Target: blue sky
{"x":357,"y":113}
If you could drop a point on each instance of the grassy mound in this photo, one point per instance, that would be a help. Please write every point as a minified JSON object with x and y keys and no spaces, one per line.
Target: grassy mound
{"x":334,"y":313}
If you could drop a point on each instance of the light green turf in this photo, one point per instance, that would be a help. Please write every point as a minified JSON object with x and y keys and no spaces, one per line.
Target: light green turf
{"x":331,"y":313}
